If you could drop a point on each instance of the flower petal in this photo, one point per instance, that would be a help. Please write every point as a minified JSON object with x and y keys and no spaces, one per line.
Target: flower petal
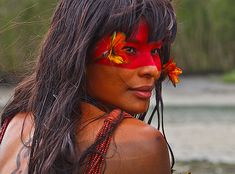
{"x":116,"y":59}
{"x":115,"y":50}
{"x":172,"y":71}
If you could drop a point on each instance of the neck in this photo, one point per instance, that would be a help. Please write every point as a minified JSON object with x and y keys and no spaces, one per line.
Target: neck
{"x":102,"y":106}
{"x":90,"y":112}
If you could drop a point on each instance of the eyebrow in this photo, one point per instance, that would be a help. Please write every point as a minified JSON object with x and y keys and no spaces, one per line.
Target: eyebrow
{"x":133,"y":40}
{"x":152,"y":42}
{"x":160,"y":43}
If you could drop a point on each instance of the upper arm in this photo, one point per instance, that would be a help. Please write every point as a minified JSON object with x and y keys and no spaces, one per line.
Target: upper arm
{"x":158,"y":161}
{"x":13,"y":152}
{"x":153,"y":153}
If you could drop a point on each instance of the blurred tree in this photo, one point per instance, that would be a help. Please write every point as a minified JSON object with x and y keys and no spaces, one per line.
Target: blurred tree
{"x":206,"y":38}
{"x":205,"y":41}
{"x":22,"y":26}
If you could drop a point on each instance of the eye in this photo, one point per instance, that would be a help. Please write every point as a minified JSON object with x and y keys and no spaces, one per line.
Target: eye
{"x":130,"y":50}
{"x":155,"y":51}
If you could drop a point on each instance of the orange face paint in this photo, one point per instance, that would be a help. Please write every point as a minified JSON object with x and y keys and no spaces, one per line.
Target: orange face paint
{"x":136,"y":51}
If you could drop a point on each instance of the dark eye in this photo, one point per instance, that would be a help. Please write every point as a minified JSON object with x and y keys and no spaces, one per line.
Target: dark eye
{"x":130,"y":50}
{"x":155,"y":51}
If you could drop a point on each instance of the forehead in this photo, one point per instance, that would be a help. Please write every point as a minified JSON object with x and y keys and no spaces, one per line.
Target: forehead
{"x":140,"y":32}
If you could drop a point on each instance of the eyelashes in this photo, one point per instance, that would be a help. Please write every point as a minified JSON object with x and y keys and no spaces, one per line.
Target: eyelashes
{"x":133,"y":51}
{"x":130,"y":50}
{"x":155,"y":52}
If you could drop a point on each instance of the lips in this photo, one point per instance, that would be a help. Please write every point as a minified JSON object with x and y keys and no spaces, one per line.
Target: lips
{"x":143,"y":92}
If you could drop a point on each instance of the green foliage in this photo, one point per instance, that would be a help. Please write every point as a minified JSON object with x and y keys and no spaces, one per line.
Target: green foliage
{"x":205,"y":40}
{"x":229,"y":77}
{"x":22,"y":26}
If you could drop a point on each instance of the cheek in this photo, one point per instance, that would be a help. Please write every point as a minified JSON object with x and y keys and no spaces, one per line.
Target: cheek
{"x":104,"y":83}
{"x":100,"y":47}
{"x":158,"y":63}
{"x":141,"y":60}
{"x":135,"y":62}
{"x":110,"y":85}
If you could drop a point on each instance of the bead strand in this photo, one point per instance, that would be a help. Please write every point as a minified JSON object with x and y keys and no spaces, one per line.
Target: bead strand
{"x":96,"y":161}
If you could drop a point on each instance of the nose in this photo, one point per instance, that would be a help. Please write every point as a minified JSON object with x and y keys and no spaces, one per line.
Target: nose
{"x":150,"y":72}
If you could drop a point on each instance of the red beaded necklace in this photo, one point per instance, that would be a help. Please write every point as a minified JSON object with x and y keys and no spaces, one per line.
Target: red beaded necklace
{"x":96,"y":160}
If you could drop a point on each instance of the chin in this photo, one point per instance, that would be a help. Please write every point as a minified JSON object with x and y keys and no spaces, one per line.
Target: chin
{"x":137,"y":108}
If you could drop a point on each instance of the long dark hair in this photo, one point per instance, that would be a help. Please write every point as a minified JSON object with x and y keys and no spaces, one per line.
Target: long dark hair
{"x":54,"y":90}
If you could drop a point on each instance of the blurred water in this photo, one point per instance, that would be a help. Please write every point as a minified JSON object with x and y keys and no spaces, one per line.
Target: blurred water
{"x":201,"y":132}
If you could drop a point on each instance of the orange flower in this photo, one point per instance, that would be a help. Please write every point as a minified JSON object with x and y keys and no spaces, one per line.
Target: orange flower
{"x":115,"y":50}
{"x":172,"y":71}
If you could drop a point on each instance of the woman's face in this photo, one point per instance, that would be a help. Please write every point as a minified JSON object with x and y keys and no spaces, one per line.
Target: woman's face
{"x":126,"y":85}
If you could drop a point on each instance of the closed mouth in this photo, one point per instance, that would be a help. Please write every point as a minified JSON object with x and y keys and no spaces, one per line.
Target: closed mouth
{"x":143,"y":92}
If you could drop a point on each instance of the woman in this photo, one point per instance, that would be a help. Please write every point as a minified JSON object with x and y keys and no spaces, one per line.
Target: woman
{"x":77,"y":112}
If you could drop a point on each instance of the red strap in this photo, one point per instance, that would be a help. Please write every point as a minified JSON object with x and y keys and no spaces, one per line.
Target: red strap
{"x":4,"y":127}
{"x":96,"y":160}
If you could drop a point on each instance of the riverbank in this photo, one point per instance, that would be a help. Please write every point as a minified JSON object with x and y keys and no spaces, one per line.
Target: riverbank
{"x":199,"y":91}
{"x":203,"y":167}
{"x":192,"y":91}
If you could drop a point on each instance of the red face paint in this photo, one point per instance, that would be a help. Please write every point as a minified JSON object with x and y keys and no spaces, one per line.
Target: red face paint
{"x":137,"y":51}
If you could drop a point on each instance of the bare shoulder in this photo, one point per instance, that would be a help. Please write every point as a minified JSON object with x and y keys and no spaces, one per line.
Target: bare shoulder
{"x":136,"y":130}
{"x":14,"y":149}
{"x":22,"y":123}
{"x":141,"y":148}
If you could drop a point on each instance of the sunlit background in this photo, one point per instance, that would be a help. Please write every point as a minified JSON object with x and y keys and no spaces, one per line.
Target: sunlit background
{"x":199,"y":113}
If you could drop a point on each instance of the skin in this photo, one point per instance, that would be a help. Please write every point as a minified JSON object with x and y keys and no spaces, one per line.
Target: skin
{"x":135,"y":148}
{"x":14,"y":155}
{"x":135,"y":50}
{"x":122,"y":81}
